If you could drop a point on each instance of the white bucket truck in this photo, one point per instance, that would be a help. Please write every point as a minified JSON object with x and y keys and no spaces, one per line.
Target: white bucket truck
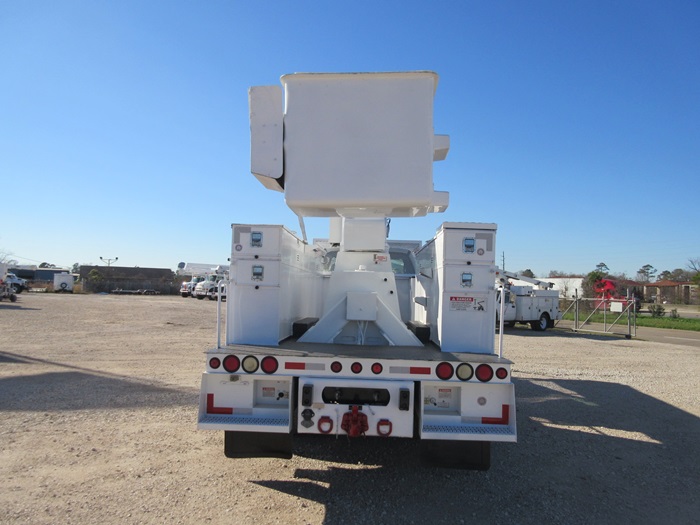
{"x":349,"y":349}
{"x":197,"y":271}
{"x":535,"y":304}
{"x":210,"y":284}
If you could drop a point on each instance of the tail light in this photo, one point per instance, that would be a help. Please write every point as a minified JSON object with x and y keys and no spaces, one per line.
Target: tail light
{"x":231,"y":363}
{"x":356,"y":368}
{"x":336,"y":367}
{"x":250,"y":364}
{"x":484,"y":373}
{"x":465,"y":372}
{"x":214,"y":362}
{"x":377,"y":368}
{"x":444,"y":371}
{"x":501,"y":373}
{"x":269,"y":365}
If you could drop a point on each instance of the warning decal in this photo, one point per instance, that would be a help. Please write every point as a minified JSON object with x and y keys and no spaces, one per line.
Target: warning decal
{"x":460,"y":302}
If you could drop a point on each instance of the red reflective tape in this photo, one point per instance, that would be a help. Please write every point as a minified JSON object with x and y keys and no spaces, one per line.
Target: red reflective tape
{"x":295,"y":366}
{"x":424,"y":370}
{"x":211,"y":409}
{"x":503,"y":420}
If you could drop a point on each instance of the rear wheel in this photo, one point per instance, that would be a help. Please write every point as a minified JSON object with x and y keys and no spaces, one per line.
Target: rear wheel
{"x":541,"y":324}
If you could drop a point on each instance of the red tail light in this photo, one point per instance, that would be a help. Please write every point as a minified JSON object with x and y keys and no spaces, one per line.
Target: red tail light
{"x":356,"y":368}
{"x":269,"y":365}
{"x":377,"y":368}
{"x":336,"y":367}
{"x":501,"y":373}
{"x":444,"y":371}
{"x":484,"y":373}
{"x":215,"y":362}
{"x":231,"y":363}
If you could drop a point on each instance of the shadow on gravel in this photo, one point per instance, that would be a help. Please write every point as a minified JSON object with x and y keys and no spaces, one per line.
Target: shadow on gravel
{"x":588,"y":452}
{"x":81,"y":388}
{"x":15,"y":306}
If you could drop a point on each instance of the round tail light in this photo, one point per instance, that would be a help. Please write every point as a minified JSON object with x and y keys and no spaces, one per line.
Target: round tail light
{"x":501,"y":373}
{"x":356,"y":368}
{"x":250,"y":364}
{"x":484,"y":373}
{"x":336,"y":367}
{"x":269,"y":365}
{"x":465,"y":372}
{"x":231,"y":363}
{"x":377,"y":368}
{"x":444,"y":371}
{"x":215,"y":362}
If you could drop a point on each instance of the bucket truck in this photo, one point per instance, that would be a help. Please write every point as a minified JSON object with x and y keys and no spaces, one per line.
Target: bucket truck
{"x":355,"y":338}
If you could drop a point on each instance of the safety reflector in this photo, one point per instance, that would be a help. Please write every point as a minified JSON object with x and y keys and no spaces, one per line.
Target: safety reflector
{"x":501,"y":373}
{"x":269,"y":365}
{"x":484,"y":373}
{"x":356,"y":367}
{"x":215,"y":362}
{"x":231,"y":363}
{"x":444,"y":371}
{"x":377,"y":368}
{"x":336,"y":367}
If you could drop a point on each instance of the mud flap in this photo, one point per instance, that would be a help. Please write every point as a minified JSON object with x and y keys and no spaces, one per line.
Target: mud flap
{"x":466,"y":455}
{"x":257,"y":445}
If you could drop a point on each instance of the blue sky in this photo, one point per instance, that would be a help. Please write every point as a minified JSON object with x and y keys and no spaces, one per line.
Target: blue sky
{"x":575,"y":126}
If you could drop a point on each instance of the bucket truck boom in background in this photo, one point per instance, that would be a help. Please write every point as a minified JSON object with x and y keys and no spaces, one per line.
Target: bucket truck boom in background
{"x":357,"y":336}
{"x":536,"y":305}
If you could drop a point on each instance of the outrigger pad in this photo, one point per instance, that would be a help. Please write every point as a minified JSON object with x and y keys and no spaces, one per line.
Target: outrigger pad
{"x":467,"y":455}
{"x":257,"y":445}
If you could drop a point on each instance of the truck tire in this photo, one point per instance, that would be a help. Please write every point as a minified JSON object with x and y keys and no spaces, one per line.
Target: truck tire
{"x":13,"y":298}
{"x":15,"y":288}
{"x":200,"y":297}
{"x":541,"y":324}
{"x":184,"y":294}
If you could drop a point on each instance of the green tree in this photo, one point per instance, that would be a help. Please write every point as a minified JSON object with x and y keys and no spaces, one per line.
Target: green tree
{"x":646,"y":273}
{"x":75,"y":268}
{"x":589,"y":281}
{"x":602,"y":267}
{"x":527,"y":273}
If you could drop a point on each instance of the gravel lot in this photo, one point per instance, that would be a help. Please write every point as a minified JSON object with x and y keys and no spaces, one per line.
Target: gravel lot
{"x":98,"y":398}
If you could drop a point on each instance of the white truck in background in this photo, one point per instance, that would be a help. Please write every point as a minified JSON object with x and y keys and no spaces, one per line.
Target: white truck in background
{"x":353,"y":338}
{"x":15,"y":283}
{"x":210,"y":284}
{"x":535,"y":304}
{"x":7,"y":290}
{"x":197,"y":273}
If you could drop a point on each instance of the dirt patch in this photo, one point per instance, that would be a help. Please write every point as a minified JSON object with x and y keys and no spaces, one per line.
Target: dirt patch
{"x":98,"y":402}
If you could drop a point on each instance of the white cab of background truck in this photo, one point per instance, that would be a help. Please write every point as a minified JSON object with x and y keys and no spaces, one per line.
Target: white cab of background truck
{"x":351,"y":348}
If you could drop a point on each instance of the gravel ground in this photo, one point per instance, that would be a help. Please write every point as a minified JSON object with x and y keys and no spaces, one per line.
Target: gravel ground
{"x":98,"y":398}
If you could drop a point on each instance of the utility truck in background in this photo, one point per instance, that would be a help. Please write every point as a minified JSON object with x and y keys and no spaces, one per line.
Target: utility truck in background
{"x":536,"y":305}
{"x":7,"y":290}
{"x":197,"y":273}
{"x":209,"y":285}
{"x":357,"y":336}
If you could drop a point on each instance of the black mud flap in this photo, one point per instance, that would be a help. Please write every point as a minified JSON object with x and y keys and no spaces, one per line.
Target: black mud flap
{"x":467,"y":455}
{"x":257,"y":445}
